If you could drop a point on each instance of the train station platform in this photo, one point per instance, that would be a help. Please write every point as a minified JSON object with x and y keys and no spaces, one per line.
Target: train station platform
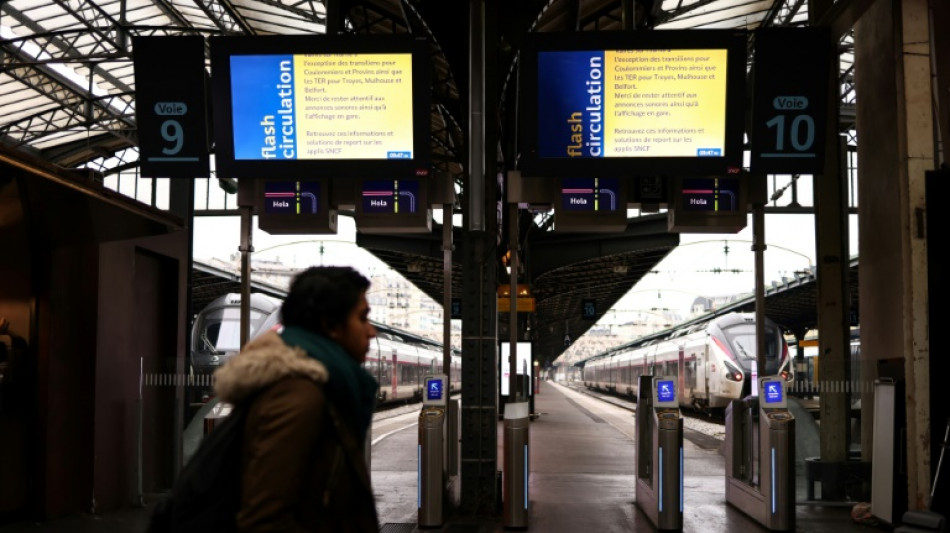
{"x":582,"y":478}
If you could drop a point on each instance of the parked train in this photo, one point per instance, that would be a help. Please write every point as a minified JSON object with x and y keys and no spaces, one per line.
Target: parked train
{"x":398,"y":359}
{"x":711,"y":359}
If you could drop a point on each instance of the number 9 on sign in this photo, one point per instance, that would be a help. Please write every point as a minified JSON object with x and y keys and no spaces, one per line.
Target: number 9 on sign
{"x":173,"y":133}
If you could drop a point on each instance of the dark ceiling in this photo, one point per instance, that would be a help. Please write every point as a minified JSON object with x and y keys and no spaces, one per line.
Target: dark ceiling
{"x":91,"y":124}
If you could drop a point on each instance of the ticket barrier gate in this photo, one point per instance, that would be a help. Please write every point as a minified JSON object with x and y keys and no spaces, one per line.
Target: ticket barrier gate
{"x":659,"y":487}
{"x":431,"y":453}
{"x":515,"y":474}
{"x":760,"y":454}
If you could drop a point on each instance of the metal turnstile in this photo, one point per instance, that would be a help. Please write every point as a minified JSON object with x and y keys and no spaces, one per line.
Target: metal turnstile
{"x":760,"y":455}
{"x":515,"y":475}
{"x":659,"y":487}
{"x":431,"y":452}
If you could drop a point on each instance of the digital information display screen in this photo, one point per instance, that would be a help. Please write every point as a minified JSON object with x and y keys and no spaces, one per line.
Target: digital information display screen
{"x":605,"y":104}
{"x":632,"y":103}
{"x":773,"y":392}
{"x":321,"y":106}
{"x":665,"y":391}
{"x":391,"y":196}
{"x":291,"y":197}
{"x":591,"y":194}
{"x":434,"y":389}
{"x":710,"y":194}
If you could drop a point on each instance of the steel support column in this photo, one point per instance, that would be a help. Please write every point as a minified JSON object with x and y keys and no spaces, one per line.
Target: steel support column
{"x":479,"y":431}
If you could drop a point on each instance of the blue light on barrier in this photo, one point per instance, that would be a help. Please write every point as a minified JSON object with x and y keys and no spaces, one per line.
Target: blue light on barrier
{"x":419,"y":479}
{"x":773,"y":480}
{"x":681,"y":479}
{"x":660,"y":499}
{"x":525,"y":476}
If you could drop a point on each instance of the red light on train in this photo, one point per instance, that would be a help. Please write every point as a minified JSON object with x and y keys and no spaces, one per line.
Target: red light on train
{"x":732,"y":373}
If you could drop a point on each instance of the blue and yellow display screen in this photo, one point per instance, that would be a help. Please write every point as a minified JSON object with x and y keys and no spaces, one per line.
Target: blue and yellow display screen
{"x":632,"y":103}
{"x":287,"y":107}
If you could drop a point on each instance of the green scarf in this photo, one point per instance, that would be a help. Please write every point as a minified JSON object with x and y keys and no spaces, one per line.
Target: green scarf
{"x":350,"y":387}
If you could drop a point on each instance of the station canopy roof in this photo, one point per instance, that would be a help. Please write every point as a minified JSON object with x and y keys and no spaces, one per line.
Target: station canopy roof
{"x":67,"y":91}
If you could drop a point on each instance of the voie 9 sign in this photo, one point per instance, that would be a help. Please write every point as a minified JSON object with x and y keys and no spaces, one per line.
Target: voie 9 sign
{"x":602,"y":103}
{"x":291,"y":106}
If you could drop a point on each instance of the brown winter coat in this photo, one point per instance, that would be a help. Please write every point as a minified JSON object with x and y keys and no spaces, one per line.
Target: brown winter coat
{"x":303,"y":468}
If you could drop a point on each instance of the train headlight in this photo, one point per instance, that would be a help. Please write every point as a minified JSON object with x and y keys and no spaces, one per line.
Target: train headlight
{"x":732,"y":373}
{"x":786,"y":375}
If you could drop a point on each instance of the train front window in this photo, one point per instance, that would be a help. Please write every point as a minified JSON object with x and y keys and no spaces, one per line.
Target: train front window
{"x":742,"y":337}
{"x":220,"y":330}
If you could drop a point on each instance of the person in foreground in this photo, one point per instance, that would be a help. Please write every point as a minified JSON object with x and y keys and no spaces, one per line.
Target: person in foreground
{"x":311,"y":408}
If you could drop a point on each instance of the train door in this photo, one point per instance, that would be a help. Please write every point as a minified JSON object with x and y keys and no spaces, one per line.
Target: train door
{"x":394,"y":380}
{"x":702,"y":378}
{"x":713,"y":368}
{"x":681,"y":372}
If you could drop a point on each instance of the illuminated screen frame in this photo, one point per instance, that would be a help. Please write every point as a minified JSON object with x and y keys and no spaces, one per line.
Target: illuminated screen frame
{"x":592,"y":190}
{"x":717,"y":192}
{"x":777,"y":384}
{"x":685,"y":219}
{"x":658,"y":399}
{"x":299,"y":194}
{"x":587,"y":219}
{"x":533,"y":163}
{"x":418,"y":221}
{"x":224,"y":47}
{"x":440,"y":389}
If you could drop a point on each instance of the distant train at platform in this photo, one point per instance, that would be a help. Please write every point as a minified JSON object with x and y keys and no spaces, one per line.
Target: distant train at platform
{"x":712,"y":360}
{"x":399,"y":360}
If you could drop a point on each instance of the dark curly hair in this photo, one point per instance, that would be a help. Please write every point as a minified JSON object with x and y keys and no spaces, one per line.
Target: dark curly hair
{"x":321,"y":298}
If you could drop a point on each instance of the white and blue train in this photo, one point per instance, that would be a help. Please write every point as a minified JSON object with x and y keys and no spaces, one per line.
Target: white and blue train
{"x":713,"y":360}
{"x":398,"y":359}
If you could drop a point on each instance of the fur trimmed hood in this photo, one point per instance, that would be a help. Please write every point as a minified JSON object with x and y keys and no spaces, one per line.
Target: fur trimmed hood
{"x":264,"y":361}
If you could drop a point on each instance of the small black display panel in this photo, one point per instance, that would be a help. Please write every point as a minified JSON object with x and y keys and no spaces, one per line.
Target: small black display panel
{"x":391,"y":196}
{"x":292,"y":197}
{"x":591,"y":194}
{"x":710,"y":194}
{"x":612,"y":103}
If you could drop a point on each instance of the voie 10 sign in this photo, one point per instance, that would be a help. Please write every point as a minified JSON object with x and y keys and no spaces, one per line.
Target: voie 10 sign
{"x":614,"y":103}
{"x":320,"y":104}
{"x":790,"y":100}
